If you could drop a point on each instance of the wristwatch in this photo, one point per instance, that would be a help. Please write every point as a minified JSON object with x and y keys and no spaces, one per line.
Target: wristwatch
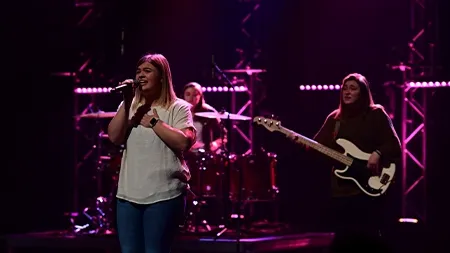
{"x":153,"y":122}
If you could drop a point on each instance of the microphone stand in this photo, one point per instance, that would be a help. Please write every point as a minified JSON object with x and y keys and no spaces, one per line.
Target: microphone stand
{"x":228,"y":167}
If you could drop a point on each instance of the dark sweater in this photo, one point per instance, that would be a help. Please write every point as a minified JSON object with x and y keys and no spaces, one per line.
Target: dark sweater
{"x":369,"y":131}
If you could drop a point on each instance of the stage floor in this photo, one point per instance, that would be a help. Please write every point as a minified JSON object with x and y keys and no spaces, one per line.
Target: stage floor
{"x":60,"y":241}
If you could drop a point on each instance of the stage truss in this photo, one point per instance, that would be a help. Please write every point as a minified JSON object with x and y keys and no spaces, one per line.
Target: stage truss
{"x":87,"y":10}
{"x":421,"y":66}
{"x":249,"y":52}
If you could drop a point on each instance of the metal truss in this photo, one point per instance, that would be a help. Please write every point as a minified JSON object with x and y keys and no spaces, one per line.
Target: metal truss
{"x":87,"y":7}
{"x":248,"y":54}
{"x":413,"y":154}
{"x":88,"y":11}
{"x":414,"y":110}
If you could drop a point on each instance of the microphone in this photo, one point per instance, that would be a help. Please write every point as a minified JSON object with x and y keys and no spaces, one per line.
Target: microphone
{"x":124,"y":86}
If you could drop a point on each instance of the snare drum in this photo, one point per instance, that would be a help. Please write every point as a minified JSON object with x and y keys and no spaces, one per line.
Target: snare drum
{"x":258,"y":179}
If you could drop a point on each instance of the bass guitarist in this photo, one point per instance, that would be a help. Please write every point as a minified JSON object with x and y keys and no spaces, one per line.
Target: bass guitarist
{"x":366,"y":125}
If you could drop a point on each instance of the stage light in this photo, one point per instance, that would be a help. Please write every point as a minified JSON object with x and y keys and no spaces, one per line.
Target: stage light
{"x":224,"y":89}
{"x":319,"y":87}
{"x":428,"y":84}
{"x":408,"y":220}
{"x":94,"y":90}
{"x":324,"y":87}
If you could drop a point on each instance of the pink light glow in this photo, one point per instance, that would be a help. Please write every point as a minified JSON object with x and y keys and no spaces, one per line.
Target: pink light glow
{"x":408,"y":220}
{"x":224,"y":89}
{"x":428,"y":84}
{"x":92,"y":90}
{"x":320,"y":87}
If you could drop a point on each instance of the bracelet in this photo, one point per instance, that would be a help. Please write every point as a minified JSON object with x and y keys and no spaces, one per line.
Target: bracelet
{"x":378,"y":152}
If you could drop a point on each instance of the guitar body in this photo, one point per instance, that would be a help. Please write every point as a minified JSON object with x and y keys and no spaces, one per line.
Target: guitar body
{"x":359,"y":173}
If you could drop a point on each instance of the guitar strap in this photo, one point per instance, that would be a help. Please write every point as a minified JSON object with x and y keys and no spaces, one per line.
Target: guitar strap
{"x":336,"y":129}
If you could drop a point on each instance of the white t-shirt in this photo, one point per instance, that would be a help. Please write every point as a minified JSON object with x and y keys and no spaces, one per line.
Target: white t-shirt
{"x":199,"y":126}
{"x":150,"y":170}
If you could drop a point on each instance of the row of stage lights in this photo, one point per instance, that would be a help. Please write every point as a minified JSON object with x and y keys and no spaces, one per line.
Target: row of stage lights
{"x":205,"y":89}
{"x":428,"y":84}
{"x":243,"y":88}
{"x":320,"y":87}
{"x":410,"y":84}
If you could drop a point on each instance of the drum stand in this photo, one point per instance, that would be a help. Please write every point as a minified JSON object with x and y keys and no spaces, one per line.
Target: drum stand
{"x":228,"y":217}
{"x":98,"y":216}
{"x":198,"y":203}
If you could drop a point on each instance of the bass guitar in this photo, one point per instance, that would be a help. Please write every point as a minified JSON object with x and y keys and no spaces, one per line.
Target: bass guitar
{"x":353,"y":158}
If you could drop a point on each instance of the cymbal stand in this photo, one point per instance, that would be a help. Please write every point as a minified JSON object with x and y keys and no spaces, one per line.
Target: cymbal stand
{"x":91,"y":107}
{"x":227,"y":172}
{"x":99,"y":215}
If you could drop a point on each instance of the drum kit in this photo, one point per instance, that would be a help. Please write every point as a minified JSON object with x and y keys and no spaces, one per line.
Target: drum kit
{"x":225,"y":184}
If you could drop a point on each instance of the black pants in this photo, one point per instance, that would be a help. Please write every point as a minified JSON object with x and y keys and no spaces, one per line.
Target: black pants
{"x":358,"y":216}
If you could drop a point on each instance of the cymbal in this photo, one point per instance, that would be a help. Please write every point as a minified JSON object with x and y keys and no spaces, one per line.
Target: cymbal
{"x":98,"y":115}
{"x":248,"y":71}
{"x":225,"y":115}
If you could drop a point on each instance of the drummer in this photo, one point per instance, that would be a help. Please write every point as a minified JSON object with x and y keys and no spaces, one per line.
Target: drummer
{"x":209,"y":134}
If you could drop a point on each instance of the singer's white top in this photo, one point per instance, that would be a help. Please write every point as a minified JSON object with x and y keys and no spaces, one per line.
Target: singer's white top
{"x":150,"y":171}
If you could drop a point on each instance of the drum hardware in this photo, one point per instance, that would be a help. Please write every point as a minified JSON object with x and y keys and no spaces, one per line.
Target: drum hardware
{"x":228,"y":167}
{"x":96,"y":220}
{"x":197,"y":222}
{"x":222,"y":115}
{"x":97,"y":115}
{"x":247,"y":71}
{"x":198,"y":165}
{"x":99,"y":216}
{"x":253,"y":176}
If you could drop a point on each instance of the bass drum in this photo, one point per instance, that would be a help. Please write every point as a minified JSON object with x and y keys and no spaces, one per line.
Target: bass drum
{"x":257,"y":178}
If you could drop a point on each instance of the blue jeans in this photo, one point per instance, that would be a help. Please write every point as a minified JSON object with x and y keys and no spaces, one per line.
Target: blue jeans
{"x":148,"y":228}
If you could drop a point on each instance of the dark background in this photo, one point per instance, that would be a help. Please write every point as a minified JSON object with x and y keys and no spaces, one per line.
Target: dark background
{"x":302,"y":42}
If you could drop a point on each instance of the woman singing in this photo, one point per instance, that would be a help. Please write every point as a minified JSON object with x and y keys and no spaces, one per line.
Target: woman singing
{"x":156,"y":128}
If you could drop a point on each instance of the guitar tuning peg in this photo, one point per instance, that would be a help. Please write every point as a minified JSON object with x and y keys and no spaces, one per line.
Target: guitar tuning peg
{"x":271,"y":116}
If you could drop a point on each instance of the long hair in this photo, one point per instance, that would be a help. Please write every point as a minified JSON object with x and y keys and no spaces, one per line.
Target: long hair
{"x":167,"y":95}
{"x":364,"y":102}
{"x":198,"y":87}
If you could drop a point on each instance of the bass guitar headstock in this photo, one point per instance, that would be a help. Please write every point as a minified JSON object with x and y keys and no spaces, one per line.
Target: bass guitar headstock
{"x":269,"y":123}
